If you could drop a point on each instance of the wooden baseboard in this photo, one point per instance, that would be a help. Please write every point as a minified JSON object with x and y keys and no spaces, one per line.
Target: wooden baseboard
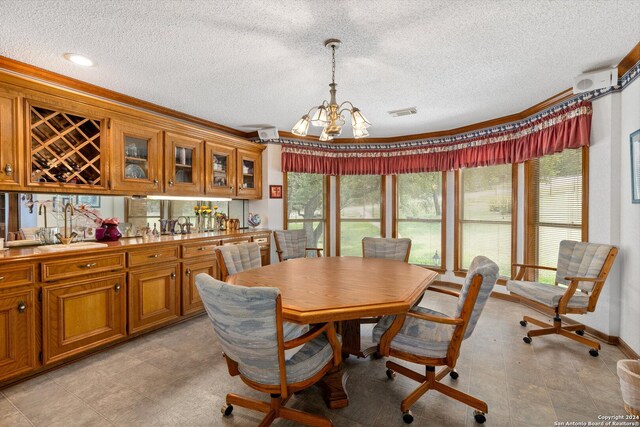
{"x":609,"y":339}
{"x":628,"y":351}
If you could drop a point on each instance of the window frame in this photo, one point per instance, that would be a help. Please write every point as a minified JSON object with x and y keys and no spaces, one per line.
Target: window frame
{"x":326,"y":209}
{"x":395,"y":220}
{"x":383,"y":209}
{"x":457,"y":229}
{"x":530,"y":222}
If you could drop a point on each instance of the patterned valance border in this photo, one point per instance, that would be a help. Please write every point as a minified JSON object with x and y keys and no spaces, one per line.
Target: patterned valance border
{"x":565,"y":125}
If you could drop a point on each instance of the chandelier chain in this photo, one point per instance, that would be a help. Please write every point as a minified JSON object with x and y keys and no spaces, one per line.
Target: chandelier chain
{"x":333,"y":64}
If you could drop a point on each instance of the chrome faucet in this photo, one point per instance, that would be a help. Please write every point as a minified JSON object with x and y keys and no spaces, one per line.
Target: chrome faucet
{"x":43,"y":206}
{"x":67,"y":238}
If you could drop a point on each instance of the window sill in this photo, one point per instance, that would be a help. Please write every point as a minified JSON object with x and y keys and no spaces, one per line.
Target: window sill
{"x":463,"y":273}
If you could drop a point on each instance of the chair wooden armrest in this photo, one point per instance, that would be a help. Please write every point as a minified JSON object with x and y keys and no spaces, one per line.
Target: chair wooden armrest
{"x":538,"y":267}
{"x":444,"y":291}
{"x":318,"y":250}
{"x":311,"y":334}
{"x":583,"y":279}
{"x":437,"y":319}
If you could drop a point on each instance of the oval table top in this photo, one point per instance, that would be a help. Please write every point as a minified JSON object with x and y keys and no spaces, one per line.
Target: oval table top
{"x":328,"y":289}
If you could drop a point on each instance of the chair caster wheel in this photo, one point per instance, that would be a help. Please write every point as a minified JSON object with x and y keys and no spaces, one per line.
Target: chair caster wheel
{"x":454,"y":375}
{"x":593,"y":352}
{"x":527,"y":340}
{"x":390,"y":374}
{"x":523,"y":323}
{"x":479,"y":417}
{"x":407,"y":417}
{"x":226,"y":410}
{"x":580,"y":332}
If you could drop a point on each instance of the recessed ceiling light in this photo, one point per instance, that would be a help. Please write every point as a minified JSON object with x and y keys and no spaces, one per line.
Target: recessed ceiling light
{"x":79,"y":59}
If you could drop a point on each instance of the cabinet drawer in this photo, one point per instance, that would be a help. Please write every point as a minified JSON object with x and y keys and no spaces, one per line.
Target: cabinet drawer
{"x":63,"y":269}
{"x":236,"y":241}
{"x":262,"y":241}
{"x":201,"y":249}
{"x":153,"y":256}
{"x":17,"y":275}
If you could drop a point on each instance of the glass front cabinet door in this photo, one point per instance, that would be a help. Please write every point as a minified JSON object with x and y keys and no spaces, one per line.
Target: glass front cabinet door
{"x":220,"y":170}
{"x":183,"y":163}
{"x":137,"y":158}
{"x":10,"y":167}
{"x":249,"y":173}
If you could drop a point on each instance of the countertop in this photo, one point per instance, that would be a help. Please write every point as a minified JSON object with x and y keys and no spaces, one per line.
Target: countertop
{"x":32,"y":252}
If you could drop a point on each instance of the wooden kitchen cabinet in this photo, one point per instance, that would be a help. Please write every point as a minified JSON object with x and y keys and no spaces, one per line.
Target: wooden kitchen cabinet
{"x":220,"y":170}
{"x":154,"y":297}
{"x":17,"y":331}
{"x":191,"y":302}
{"x":136,"y":160}
{"x":10,"y":150}
{"x":81,"y":315}
{"x":249,"y":174}
{"x":183,"y":165}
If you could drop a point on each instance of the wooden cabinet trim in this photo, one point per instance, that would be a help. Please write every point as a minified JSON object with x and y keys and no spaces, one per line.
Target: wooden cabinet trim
{"x":16,"y":275}
{"x":17,"y":307}
{"x":172,"y":186}
{"x":153,"y":256}
{"x":170,"y":310}
{"x":68,"y":268}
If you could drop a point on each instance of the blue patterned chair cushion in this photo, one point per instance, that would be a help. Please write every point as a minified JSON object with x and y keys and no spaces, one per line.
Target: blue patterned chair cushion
{"x":244,"y":320}
{"x":432,"y":339}
{"x":580,"y":259}
{"x":548,"y":295}
{"x":292,"y":243}
{"x":373,"y":247}
{"x":238,"y":258}
{"x":417,"y":336}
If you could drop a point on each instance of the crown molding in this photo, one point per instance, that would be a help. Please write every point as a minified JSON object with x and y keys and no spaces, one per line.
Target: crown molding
{"x":91,"y":89}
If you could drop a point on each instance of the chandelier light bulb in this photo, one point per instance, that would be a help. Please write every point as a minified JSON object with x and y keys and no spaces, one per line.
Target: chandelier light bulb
{"x":324,"y":136}
{"x":358,"y":119}
{"x":302,"y":127}
{"x":360,"y":132}
{"x":320,"y":117}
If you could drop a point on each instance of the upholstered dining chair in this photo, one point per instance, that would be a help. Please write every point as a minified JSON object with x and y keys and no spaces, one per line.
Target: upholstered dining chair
{"x":249,"y":327}
{"x":292,"y":244}
{"x":237,"y":258}
{"x":378,"y":247}
{"x":582,"y":270}
{"x":430,"y":338}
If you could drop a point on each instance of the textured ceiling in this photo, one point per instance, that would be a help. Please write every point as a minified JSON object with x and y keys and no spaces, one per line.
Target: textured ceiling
{"x":255,"y":63}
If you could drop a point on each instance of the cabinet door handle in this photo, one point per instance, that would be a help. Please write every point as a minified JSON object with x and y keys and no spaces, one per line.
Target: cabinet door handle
{"x":8,"y":169}
{"x":173,"y":276}
{"x":202,"y":248}
{"x":154,"y":256}
{"x":155,"y":182}
{"x":231,"y":189}
{"x":117,"y":288}
{"x":170,"y":183}
{"x":22,"y":307}
{"x":188,"y":272}
{"x":1,"y":278}
{"x":92,"y":264}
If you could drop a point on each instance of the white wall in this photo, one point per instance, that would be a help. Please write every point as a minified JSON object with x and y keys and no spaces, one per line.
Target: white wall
{"x":629,"y":257}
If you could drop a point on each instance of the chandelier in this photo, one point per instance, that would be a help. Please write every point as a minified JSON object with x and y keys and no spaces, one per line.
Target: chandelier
{"x":329,"y":114}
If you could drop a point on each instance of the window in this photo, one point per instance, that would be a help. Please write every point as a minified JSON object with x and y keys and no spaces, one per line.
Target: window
{"x":555,"y":200}
{"x":360,"y":211}
{"x":305,"y":206}
{"x":485,"y":223}
{"x":419,"y":214}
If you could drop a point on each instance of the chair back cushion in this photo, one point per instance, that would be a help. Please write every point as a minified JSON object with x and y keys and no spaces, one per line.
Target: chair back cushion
{"x":375,"y":247}
{"x":292,"y":243}
{"x":489,"y":271}
{"x":244,"y":320}
{"x":238,"y":258}
{"x":580,"y":259}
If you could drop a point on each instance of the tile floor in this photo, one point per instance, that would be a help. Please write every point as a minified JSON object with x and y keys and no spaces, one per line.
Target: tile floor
{"x":177,"y":377}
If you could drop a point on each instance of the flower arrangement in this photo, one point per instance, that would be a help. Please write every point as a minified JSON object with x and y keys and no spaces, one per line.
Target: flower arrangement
{"x":201,"y":210}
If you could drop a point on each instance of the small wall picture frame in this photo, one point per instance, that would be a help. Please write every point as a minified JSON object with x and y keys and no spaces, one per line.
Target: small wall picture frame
{"x":91,"y":201}
{"x":275,"y":191}
{"x":634,"y":139}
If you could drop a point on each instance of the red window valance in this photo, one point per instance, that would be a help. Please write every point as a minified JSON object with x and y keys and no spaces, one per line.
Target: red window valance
{"x":548,"y":132}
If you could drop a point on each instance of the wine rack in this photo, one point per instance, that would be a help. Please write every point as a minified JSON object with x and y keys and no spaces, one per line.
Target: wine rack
{"x":65,"y":148}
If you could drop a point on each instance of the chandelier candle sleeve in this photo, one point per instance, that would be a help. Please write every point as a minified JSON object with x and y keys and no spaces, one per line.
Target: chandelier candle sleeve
{"x":328,"y":115}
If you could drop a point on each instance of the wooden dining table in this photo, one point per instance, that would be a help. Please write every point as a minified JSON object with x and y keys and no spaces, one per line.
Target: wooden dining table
{"x":342,"y":290}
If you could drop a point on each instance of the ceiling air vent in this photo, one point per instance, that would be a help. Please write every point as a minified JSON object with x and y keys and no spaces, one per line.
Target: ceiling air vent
{"x":403,"y":112}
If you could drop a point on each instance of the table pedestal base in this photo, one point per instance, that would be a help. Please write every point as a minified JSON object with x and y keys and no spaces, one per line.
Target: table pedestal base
{"x":333,"y":388}
{"x":350,"y":331}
